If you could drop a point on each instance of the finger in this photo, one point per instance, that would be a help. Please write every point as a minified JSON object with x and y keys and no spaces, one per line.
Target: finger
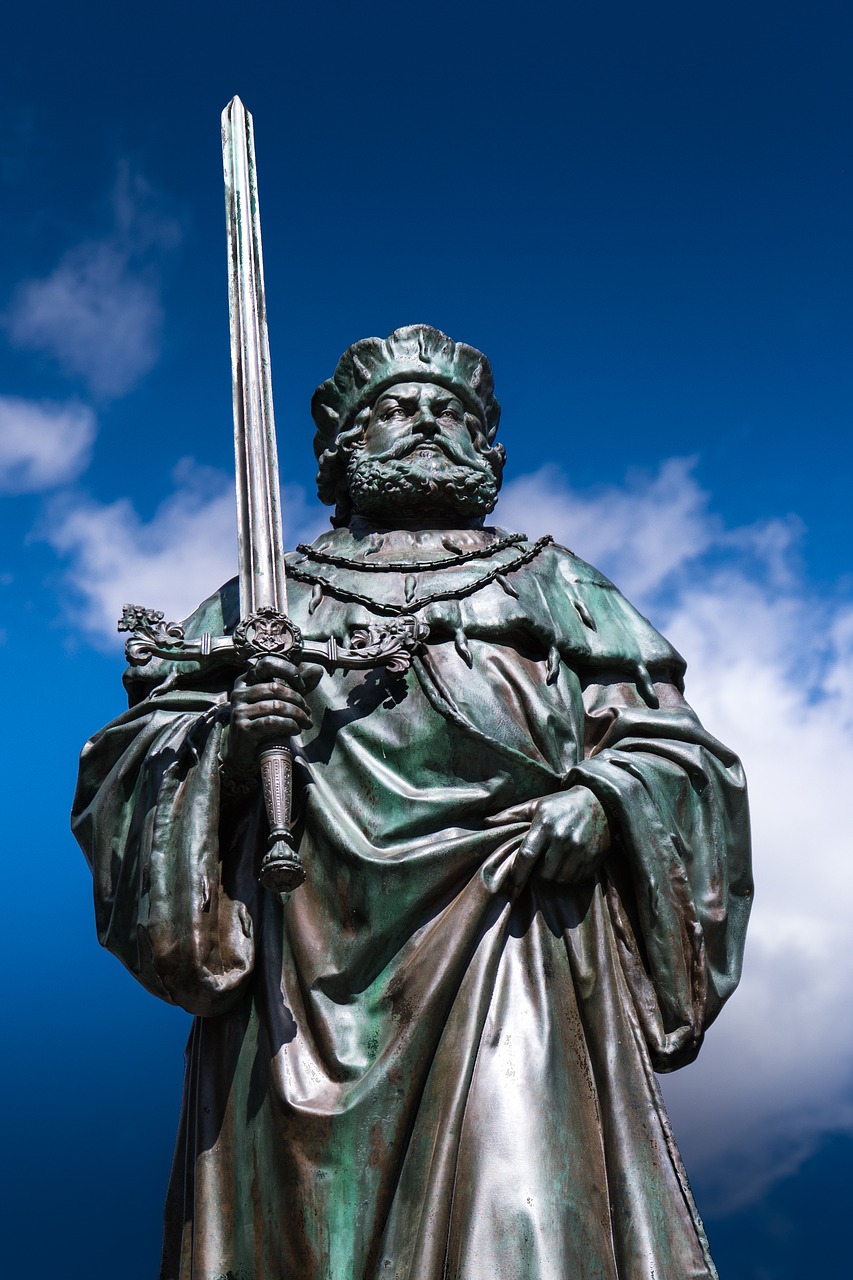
{"x":275,"y":727}
{"x":247,"y":722}
{"x":250,"y":731}
{"x":277,"y":692}
{"x":556,"y":861}
{"x":246,"y":686}
{"x":534,"y":844}
{"x":271,"y":708}
{"x":516,"y":813}
{"x":270,"y":667}
{"x":269,"y":689}
{"x":584,"y":867}
{"x":311,"y":675}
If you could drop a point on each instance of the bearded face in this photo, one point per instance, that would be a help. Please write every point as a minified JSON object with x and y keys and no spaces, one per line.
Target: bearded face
{"x":418,"y":459}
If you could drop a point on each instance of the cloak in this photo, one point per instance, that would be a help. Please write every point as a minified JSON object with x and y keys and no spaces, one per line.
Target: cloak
{"x":409,"y":1069}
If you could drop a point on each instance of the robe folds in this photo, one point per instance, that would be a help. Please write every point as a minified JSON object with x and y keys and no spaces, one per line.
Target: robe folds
{"x":411,"y":1070}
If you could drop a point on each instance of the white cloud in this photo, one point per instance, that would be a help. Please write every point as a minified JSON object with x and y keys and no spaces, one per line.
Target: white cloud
{"x":95,"y":315}
{"x":643,"y":531}
{"x":43,"y":444}
{"x":771,"y":673}
{"x":777,"y":1072}
{"x":98,"y":313}
{"x":171,"y":562}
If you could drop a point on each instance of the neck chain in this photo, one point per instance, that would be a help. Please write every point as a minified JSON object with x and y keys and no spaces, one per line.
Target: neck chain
{"x":410,"y":566}
{"x":413,"y":604}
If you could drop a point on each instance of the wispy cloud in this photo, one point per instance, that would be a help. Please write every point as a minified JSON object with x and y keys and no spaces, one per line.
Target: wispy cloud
{"x":771,"y":673}
{"x":171,"y":562}
{"x":98,"y":313}
{"x":644,"y":531}
{"x":43,"y":444}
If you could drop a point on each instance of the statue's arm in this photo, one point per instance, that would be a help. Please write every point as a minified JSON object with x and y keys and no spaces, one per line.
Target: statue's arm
{"x":172,"y":852}
{"x":678,"y":874}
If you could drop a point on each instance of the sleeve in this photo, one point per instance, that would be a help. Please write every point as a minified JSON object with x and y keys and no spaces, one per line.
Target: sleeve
{"x":679,"y":877}
{"x":175,"y":893}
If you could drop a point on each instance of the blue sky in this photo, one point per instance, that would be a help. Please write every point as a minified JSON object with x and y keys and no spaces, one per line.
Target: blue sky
{"x":643,"y":215}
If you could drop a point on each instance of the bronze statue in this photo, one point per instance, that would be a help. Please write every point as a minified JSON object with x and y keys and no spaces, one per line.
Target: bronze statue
{"x":527,"y":882}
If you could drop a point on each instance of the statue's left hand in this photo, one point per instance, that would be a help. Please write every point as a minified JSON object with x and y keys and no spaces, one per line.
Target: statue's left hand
{"x":568,"y":837}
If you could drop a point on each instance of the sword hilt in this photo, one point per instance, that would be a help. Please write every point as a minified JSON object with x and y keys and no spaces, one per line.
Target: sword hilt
{"x":281,"y":869}
{"x":390,"y":643}
{"x":267,"y":633}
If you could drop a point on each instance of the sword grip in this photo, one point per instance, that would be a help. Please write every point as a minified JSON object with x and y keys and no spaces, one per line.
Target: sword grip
{"x":281,"y":868}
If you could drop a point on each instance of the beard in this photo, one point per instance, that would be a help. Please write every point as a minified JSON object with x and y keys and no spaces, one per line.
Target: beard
{"x":424,"y":483}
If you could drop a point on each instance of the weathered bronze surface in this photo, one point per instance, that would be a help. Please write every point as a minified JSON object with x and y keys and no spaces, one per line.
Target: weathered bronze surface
{"x":528,"y":884}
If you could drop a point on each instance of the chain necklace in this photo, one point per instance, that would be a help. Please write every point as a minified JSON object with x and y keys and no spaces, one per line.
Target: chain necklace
{"x":410,"y":566}
{"x":412,"y":605}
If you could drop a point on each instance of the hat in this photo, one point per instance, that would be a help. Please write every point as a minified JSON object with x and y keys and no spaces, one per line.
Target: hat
{"x":416,"y":353}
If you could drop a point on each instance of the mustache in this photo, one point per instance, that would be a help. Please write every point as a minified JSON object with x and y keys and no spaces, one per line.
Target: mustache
{"x":402,"y":448}
{"x":399,"y":488}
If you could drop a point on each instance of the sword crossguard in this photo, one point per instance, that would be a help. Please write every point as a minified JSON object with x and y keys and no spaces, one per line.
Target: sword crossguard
{"x":267,"y":632}
{"x":392,"y":645}
{"x":149,"y":634}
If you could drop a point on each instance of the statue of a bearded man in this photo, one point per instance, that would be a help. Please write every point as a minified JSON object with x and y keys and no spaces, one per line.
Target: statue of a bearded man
{"x":528,"y":886}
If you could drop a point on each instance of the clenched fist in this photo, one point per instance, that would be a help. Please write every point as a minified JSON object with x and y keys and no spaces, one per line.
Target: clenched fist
{"x":568,"y":837}
{"x":266,"y":705}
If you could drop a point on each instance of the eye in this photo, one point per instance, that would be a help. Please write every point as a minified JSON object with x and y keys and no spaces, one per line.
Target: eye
{"x":450,"y":411}
{"x":390,"y":411}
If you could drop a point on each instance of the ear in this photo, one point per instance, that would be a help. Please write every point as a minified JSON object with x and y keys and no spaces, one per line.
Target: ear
{"x":476,"y":430}
{"x":352,"y":440}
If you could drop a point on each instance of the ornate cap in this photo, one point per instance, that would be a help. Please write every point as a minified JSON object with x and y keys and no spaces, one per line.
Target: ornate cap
{"x":416,"y":353}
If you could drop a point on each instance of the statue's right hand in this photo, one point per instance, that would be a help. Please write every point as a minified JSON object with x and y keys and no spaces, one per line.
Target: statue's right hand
{"x":266,"y":705}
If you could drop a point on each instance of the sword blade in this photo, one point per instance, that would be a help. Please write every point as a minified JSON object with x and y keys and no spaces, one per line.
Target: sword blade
{"x":259,"y":532}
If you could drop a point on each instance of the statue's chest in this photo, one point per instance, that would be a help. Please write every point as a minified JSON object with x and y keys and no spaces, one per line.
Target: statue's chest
{"x":487,"y":691}
{"x":447,"y":726}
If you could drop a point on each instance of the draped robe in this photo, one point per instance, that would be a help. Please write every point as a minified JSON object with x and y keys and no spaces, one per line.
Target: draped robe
{"x":410,"y":1069}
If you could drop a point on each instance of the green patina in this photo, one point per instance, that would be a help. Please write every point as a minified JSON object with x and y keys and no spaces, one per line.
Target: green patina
{"x":436,"y":1059}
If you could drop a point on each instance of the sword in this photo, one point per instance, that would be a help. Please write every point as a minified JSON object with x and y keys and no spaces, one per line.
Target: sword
{"x":264,"y":626}
{"x":263,"y":580}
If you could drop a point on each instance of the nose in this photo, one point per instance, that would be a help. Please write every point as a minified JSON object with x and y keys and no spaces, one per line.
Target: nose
{"x":425,"y":421}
